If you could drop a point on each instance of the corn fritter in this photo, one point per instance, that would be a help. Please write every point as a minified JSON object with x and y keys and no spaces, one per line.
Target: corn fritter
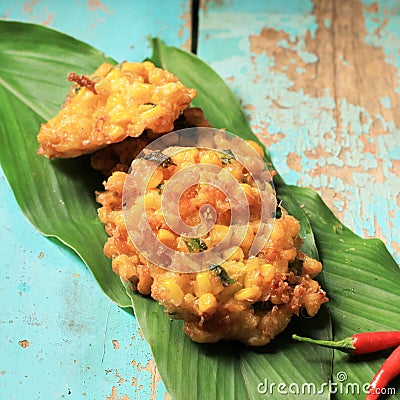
{"x":250,"y":299}
{"x":114,"y":103}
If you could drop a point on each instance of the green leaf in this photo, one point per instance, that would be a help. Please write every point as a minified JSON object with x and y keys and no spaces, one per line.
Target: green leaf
{"x":230,"y":370}
{"x":56,"y":197}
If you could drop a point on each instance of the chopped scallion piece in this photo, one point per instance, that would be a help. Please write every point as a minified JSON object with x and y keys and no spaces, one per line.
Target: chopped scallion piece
{"x":158,"y":158}
{"x":227,"y":157}
{"x":222,"y":274}
{"x":195,"y":244}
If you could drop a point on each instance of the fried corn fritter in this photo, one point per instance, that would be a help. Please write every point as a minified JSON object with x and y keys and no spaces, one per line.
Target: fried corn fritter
{"x":114,"y":103}
{"x":119,"y":156}
{"x":118,"y":111}
{"x":250,"y":299}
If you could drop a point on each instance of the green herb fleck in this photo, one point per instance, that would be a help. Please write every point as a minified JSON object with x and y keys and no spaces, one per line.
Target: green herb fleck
{"x":195,"y":244}
{"x":159,"y":187}
{"x":227,"y":157}
{"x":158,"y":158}
{"x":222,"y":274}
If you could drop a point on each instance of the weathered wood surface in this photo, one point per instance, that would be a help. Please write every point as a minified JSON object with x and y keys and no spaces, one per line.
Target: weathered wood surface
{"x":320,"y":84}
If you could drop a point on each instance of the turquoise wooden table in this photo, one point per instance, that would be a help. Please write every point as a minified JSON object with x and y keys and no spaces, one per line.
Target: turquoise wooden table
{"x":320,"y":84}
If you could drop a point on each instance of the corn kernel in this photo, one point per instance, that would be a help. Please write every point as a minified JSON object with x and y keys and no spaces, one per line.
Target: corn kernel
{"x":120,"y":117}
{"x":256,"y":147}
{"x":234,"y":269}
{"x":313,"y":285}
{"x":144,"y":107}
{"x":113,"y":75}
{"x":155,"y":179}
{"x":103,"y":87}
{"x":119,"y":219}
{"x":114,"y":100}
{"x":154,"y":112}
{"x":141,"y":93}
{"x":175,"y":292}
{"x":218,"y":233}
{"x":289,"y":254}
{"x":268,"y":272}
{"x":142,"y":259}
{"x":248,"y":240}
{"x":252,"y":263}
{"x":252,"y":278}
{"x":207,"y":304}
{"x":203,"y":283}
{"x":292,"y":225}
{"x":167,"y":237}
{"x":132,"y":67}
{"x":311,"y":267}
{"x":312,"y":303}
{"x":247,"y":189}
{"x":237,"y":255}
{"x":248,"y":294}
{"x":116,"y":132}
{"x":189,"y":298}
{"x":148,"y":65}
{"x":152,"y":200}
{"x":277,"y":233}
{"x":103,"y":214}
{"x":124,"y":266}
{"x":235,"y":169}
{"x":210,"y":157}
{"x":188,"y":156}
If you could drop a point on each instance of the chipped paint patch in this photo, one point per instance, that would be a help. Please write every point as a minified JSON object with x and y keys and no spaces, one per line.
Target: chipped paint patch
{"x":185,"y":27}
{"x":114,"y":395}
{"x":48,"y":19}
{"x":28,"y":6}
{"x":294,"y":161}
{"x":24,"y":343}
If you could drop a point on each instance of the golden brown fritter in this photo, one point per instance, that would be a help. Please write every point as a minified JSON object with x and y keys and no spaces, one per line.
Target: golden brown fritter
{"x":119,"y":156}
{"x":112,"y":104}
{"x":250,"y":299}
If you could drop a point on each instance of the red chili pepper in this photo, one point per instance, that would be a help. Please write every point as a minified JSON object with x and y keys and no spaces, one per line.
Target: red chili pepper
{"x":388,"y":371}
{"x":360,"y":343}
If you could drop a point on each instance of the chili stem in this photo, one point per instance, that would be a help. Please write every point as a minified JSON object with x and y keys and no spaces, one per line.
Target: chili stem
{"x":359,"y":343}
{"x":346,"y":345}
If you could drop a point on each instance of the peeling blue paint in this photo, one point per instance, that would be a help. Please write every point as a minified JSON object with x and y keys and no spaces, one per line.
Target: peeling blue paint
{"x":386,"y":102}
{"x":328,"y":23}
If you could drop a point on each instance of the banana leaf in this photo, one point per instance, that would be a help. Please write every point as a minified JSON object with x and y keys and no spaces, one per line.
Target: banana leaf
{"x":58,"y":199}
